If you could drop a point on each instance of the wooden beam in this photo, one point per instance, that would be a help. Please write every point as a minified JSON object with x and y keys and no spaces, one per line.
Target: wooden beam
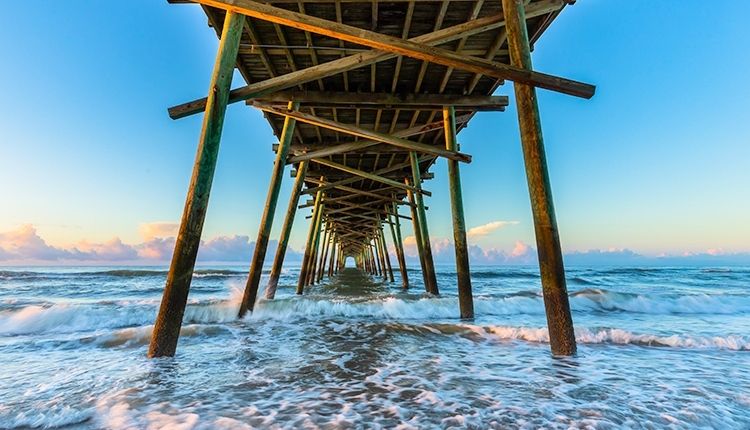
{"x":172,"y":308}
{"x":357,"y":191}
{"x":377,"y":172}
{"x":367,"y":134}
{"x":314,"y":152}
{"x":385,"y":100}
{"x":461,"y":245}
{"x":342,"y":65}
{"x":430,"y":278}
{"x":399,"y":46}
{"x":301,"y":282}
{"x":366,"y":175}
{"x":552,"y":270}
{"x":286,"y":230}
{"x":266,"y":220}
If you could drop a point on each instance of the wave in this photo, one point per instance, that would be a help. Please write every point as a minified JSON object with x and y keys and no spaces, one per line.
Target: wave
{"x":120,"y":273}
{"x":73,"y":317}
{"x":69,"y":317}
{"x":604,"y":300}
{"x":617,"y":337}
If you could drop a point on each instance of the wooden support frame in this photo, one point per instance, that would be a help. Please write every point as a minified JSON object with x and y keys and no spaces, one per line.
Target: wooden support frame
{"x":368,"y":175}
{"x":559,"y":320}
{"x":286,"y":231}
{"x":311,"y":153}
{"x":172,"y":308}
{"x":309,"y":243}
{"x":398,"y":244}
{"x":463,"y":272}
{"x":367,"y":134}
{"x":384,"y":170}
{"x":329,"y":99}
{"x":342,"y":65}
{"x":430,"y":278}
{"x":266,"y":220}
{"x":419,"y":51}
{"x":418,"y":236}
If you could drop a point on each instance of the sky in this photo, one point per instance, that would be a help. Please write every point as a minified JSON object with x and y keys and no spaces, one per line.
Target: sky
{"x":656,"y":164}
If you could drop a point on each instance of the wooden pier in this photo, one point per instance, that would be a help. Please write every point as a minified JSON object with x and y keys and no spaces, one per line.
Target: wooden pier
{"x":364,"y":96}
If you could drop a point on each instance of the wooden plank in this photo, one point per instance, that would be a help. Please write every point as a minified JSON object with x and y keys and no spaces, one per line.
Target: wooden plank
{"x":377,"y":172}
{"x":368,"y":134}
{"x":385,"y":100}
{"x":399,"y":46}
{"x":312,"y":152}
{"x":342,"y":65}
{"x":367,"y":175}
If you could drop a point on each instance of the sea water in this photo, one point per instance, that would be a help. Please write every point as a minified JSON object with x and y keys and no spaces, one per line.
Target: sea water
{"x":657,"y":348}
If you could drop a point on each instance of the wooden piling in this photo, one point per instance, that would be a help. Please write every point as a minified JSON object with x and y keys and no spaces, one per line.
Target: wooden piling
{"x":329,"y":270}
{"x":309,"y":243}
{"x":286,"y":230}
{"x":465,"y":298}
{"x":387,"y":256}
{"x":316,"y":245}
{"x":266,"y":220}
{"x":426,"y":246}
{"x":172,"y":308}
{"x":559,"y":320}
{"x":324,"y":252}
{"x":417,"y":236}
{"x":399,"y":249}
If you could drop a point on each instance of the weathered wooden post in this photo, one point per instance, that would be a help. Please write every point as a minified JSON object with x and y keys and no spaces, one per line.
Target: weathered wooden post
{"x":286,"y":230}
{"x":308,"y":247}
{"x":334,"y":252}
{"x":465,"y":298}
{"x":380,"y":250}
{"x":316,"y":245}
{"x":266,"y":220}
{"x":417,"y":235}
{"x":428,"y":261}
{"x":559,"y":320}
{"x":375,"y":258}
{"x":169,"y":319}
{"x":387,"y":256}
{"x":399,"y":251}
{"x":324,"y":252}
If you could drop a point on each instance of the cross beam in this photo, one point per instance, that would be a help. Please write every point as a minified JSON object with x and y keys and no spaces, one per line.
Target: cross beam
{"x":337,"y":99}
{"x":362,"y":144}
{"x":377,"y":172}
{"x":259,"y":89}
{"x":367,"y":134}
{"x":419,"y":51}
{"x":367,"y":175}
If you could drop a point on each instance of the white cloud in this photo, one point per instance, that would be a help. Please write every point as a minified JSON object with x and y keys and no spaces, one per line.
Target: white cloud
{"x":25,"y":246}
{"x":486,"y":229}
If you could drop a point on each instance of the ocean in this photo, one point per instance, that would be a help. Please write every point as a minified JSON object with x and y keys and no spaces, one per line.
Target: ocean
{"x":658,"y":347}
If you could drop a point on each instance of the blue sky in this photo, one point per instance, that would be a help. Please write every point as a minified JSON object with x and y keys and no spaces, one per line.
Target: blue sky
{"x":657,"y":162}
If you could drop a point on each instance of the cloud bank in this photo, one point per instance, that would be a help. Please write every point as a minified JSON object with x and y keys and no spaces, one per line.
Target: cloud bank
{"x":24,"y":245}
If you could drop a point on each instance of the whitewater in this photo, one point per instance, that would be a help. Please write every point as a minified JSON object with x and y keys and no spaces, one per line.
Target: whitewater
{"x":659,"y":347}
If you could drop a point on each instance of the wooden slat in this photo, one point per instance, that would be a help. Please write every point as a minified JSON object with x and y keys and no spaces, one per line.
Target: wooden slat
{"x":258,"y":89}
{"x":398,"y":46}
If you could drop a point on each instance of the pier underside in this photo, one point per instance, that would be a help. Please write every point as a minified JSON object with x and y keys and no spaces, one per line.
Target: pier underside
{"x":364,"y":96}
